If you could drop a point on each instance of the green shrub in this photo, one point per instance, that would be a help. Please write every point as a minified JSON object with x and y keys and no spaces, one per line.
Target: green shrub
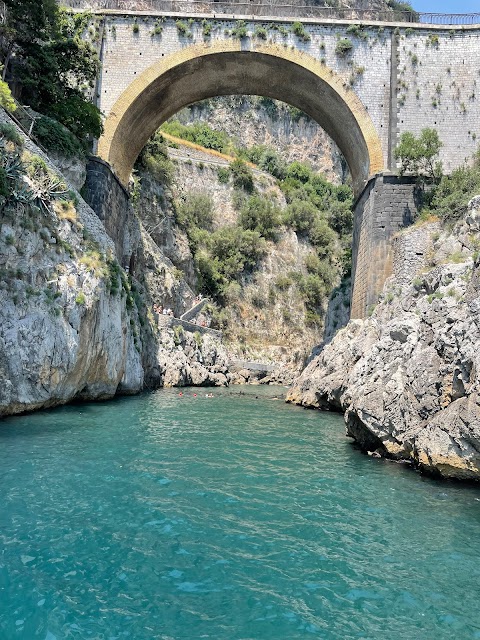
{"x":178,"y":334}
{"x":403,"y":11}
{"x":157,"y":29}
{"x":196,"y":210}
{"x":135,"y":27}
{"x":260,"y":214}
{"x":270,"y":106}
{"x":5,"y":187}
{"x":242,"y":176}
{"x":227,"y":254}
{"x":183,"y":29}
{"x":420,"y":155}
{"x":357,"y":30}
{"x":450,"y":198}
{"x":283,"y":282}
{"x":9,"y":132}
{"x":6,"y":99}
{"x":299,"y":30}
{"x":343,"y":47}
{"x":260,"y":32}
{"x":154,"y":158}
{"x":223,"y":175}
{"x":299,"y":171}
{"x":80,"y":299}
{"x":296,"y":114}
{"x":55,"y":137}
{"x":206,"y":28}
{"x":240,"y":30}
{"x":300,"y":215}
{"x":273,"y":163}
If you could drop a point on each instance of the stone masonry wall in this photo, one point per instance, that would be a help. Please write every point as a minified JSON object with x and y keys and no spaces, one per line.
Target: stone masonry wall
{"x":108,"y":198}
{"x":387,"y":204}
{"x":432,"y":82}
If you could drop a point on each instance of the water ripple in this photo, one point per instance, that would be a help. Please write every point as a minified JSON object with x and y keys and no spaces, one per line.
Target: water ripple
{"x":237,"y":518}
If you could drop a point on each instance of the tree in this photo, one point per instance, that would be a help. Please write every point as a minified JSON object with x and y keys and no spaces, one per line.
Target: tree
{"x":52,"y":63}
{"x":242,"y":176}
{"x":260,"y":214}
{"x":420,"y":155}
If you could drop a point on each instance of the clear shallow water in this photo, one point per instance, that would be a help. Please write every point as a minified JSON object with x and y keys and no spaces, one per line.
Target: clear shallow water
{"x":226,"y":518}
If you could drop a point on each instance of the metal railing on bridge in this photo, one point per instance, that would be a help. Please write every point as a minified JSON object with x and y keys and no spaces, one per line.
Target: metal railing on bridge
{"x":273,"y":8}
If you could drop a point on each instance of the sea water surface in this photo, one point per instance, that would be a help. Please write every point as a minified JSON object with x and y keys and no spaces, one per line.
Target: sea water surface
{"x":233,"y":517}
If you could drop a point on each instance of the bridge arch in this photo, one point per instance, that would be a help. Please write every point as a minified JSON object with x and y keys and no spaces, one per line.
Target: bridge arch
{"x":219,"y":68}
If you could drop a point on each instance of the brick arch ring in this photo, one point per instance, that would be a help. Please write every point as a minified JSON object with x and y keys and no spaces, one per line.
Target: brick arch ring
{"x":207,"y":70}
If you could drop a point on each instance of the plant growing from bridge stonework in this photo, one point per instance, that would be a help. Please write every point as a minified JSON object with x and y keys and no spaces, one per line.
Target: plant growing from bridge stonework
{"x":299,"y":30}
{"x":343,"y":47}
{"x":240,"y":30}
{"x":419,"y":156}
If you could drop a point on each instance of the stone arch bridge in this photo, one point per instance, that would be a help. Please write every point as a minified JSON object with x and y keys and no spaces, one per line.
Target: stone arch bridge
{"x":364,"y":84}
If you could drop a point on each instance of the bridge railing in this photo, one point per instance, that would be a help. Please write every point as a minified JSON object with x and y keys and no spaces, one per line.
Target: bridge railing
{"x":272,"y":8}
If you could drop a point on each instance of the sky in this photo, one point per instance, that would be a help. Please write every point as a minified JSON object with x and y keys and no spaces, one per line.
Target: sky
{"x":446,"y":6}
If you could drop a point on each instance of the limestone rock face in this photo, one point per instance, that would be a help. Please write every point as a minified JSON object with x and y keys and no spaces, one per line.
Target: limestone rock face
{"x":72,"y":324}
{"x":192,"y":359}
{"x":407,"y":378}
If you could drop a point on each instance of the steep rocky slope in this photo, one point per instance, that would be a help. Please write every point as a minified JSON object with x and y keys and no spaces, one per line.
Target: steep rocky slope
{"x":264,"y":316}
{"x":73,"y":324}
{"x":407,"y":378}
{"x":251,"y":120}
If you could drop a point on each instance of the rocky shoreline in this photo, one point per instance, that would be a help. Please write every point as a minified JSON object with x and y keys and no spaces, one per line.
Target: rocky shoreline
{"x":407,"y":378}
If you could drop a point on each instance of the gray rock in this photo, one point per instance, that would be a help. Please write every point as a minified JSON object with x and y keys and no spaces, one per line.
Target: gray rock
{"x":408,"y":378}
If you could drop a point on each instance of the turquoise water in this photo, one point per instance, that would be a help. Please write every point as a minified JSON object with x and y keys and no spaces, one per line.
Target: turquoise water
{"x":228,"y":518}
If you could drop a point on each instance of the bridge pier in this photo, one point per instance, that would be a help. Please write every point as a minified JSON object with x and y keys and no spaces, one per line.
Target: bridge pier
{"x":111,"y":202}
{"x":387,"y":204}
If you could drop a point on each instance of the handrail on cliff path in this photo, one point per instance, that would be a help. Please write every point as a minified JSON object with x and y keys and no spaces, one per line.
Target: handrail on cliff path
{"x":273,"y":8}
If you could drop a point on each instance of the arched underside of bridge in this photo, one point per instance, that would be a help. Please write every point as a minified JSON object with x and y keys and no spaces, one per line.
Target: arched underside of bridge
{"x":203,"y":71}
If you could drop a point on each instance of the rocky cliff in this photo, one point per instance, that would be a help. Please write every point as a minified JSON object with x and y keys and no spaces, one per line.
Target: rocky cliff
{"x":407,"y":378}
{"x":264,"y":316}
{"x":251,"y":120}
{"x":73,"y":323}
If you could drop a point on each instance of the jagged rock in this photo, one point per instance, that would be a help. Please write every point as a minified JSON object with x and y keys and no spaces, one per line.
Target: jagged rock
{"x":71,"y":328}
{"x":198,"y":363}
{"x":408,"y":377}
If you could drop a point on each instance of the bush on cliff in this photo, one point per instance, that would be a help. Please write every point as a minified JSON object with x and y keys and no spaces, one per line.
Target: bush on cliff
{"x":242,"y":176}
{"x":227,"y":254}
{"x":154,"y":158}
{"x":260,"y":214}
{"x":195,"y":211}
{"x":56,"y":137}
{"x":450,"y":198}
{"x":52,"y":63}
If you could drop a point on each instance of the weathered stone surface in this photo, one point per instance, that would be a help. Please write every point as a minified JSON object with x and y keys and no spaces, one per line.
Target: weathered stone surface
{"x":70,"y":325}
{"x":407,"y":378}
{"x":191,"y":361}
